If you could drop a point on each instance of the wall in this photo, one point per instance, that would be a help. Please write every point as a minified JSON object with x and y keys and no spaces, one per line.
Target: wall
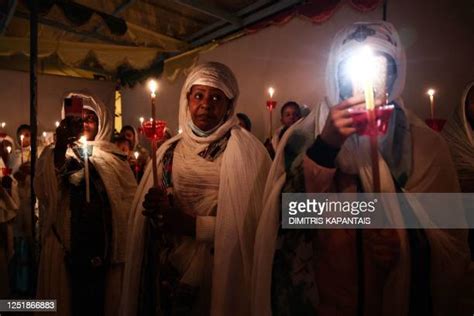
{"x":437,"y":36}
{"x":15,"y":98}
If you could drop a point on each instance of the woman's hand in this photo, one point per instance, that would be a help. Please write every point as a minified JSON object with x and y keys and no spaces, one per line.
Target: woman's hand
{"x":168,"y":218}
{"x":338,"y":125}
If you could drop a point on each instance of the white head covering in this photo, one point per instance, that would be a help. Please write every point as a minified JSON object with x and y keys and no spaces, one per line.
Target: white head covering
{"x":381,"y":37}
{"x":216,"y":75}
{"x":105,"y":124}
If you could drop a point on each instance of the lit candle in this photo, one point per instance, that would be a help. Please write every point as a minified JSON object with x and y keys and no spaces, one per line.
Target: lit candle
{"x":21,"y":147}
{"x":153,"y":86}
{"x":136,"y":154}
{"x":57,"y":124}
{"x":271,"y":105}
{"x":4,"y":124}
{"x":83,"y":140}
{"x":431,"y":93}
{"x":363,"y":69}
{"x":141,"y":120}
{"x":9,"y":149}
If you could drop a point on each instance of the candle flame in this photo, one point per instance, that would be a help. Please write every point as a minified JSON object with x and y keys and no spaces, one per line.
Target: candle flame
{"x":141,"y":120}
{"x":152,"y":86}
{"x":431,"y":92}
{"x":3,"y":124}
{"x":9,"y":149}
{"x":83,"y":140}
{"x":22,"y":137}
{"x":180,"y":130}
{"x":44,"y":134}
{"x":362,"y":65}
{"x":136,"y":154}
{"x":57,"y":123}
{"x":271,"y":91}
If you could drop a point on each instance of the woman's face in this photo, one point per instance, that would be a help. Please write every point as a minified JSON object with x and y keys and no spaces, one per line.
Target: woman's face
{"x":207,"y":106}
{"x":91,"y":124}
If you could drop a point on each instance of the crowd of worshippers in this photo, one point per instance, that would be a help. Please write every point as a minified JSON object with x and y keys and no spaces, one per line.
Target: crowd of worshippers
{"x":199,"y":232}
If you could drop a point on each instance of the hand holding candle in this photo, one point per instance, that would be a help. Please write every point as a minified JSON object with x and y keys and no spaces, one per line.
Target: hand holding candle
{"x":21,"y":147}
{"x":271,"y":104}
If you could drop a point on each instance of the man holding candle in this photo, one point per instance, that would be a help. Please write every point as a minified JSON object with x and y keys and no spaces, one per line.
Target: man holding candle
{"x":320,"y":271}
{"x":85,"y":191}
{"x":205,"y":209}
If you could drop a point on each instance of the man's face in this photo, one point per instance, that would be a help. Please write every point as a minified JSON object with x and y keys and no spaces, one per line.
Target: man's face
{"x":207,"y":106}
{"x":26,"y":138}
{"x":130,"y":135}
{"x":91,"y":124}
{"x":470,"y":107}
{"x":290,"y":115}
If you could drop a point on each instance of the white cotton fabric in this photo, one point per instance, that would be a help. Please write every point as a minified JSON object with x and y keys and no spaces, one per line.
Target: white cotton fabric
{"x":459,"y":136}
{"x":354,"y":158}
{"x":226,"y":194}
{"x":120,"y":185}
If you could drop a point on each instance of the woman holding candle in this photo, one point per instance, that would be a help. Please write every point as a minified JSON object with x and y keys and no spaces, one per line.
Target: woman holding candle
{"x":83,"y":242}
{"x":205,"y":210}
{"x":323,"y":153}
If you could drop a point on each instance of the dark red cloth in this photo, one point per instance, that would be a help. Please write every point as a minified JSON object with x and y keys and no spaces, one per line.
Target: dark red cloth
{"x":318,"y":11}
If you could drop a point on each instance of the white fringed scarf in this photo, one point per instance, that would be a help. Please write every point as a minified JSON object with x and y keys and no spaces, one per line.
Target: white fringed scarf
{"x":459,"y":135}
{"x":243,"y":171}
{"x":354,"y":158}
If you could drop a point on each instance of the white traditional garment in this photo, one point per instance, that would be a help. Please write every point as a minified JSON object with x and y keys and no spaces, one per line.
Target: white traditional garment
{"x":225,"y":195}
{"x":459,"y":135}
{"x":276,"y":137}
{"x":449,"y":252}
{"x":120,"y":185}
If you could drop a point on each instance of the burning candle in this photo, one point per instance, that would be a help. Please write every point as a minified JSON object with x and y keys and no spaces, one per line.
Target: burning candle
{"x":9,"y":149}
{"x":141,"y":119}
{"x":271,"y":105}
{"x":431,"y":93}
{"x":83,"y":140}
{"x":363,"y":70}
{"x":57,"y":124}
{"x":153,"y":86}
{"x":21,"y":147}
{"x":4,"y":124}
{"x":136,"y":154}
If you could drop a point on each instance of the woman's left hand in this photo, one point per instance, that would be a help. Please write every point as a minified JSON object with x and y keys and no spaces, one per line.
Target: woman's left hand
{"x":159,"y":206}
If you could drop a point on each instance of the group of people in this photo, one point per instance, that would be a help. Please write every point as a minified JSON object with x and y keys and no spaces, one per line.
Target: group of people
{"x":201,"y":233}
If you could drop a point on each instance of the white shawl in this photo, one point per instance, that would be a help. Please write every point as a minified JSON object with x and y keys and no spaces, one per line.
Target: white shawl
{"x":458,"y":134}
{"x":244,"y":169}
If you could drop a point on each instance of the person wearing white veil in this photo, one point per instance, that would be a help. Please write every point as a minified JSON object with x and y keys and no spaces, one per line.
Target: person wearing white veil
{"x":459,"y":134}
{"x":408,"y":272}
{"x":212,"y":177}
{"x":83,"y":232}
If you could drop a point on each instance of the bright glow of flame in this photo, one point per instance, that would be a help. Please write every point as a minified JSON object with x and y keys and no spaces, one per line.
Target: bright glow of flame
{"x":152,"y":86}
{"x":83,"y":140}
{"x":431,"y":92}
{"x":22,"y":137}
{"x":57,"y":123}
{"x":136,"y":154}
{"x":44,"y":134}
{"x":9,"y":149}
{"x":362,"y":66}
{"x":180,"y":130}
{"x":3,"y":124}
{"x":271,"y":91}
{"x":142,"y":120}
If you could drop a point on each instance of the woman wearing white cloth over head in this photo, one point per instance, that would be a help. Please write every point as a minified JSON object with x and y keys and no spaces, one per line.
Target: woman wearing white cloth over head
{"x":212,"y":177}
{"x":407,"y":272}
